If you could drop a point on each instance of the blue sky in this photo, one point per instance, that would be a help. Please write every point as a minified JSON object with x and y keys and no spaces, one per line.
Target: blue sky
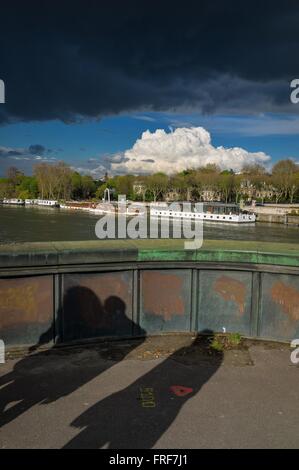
{"x":88,"y":143}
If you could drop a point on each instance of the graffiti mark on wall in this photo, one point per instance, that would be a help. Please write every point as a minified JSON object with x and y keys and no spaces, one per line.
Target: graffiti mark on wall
{"x":162,"y":294}
{"x":25,"y":300}
{"x":231,"y":289}
{"x":287,"y":297}
{"x":19,"y":298}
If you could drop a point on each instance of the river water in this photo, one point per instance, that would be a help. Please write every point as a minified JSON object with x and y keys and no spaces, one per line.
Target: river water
{"x":35,"y":224}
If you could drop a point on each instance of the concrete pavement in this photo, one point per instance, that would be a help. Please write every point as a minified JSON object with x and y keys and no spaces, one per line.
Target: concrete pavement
{"x":161,"y":393}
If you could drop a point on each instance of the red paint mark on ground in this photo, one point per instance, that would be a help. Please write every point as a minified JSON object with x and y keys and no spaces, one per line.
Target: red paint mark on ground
{"x":180,"y":390}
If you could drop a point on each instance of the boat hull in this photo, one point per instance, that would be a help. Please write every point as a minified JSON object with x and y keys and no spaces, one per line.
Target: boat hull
{"x":41,"y":202}
{"x":205,"y":217}
{"x":15,"y":202}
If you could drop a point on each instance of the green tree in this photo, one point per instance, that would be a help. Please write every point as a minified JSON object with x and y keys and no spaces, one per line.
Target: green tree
{"x":100,"y":191}
{"x":6,"y":188}
{"x":124,"y":185}
{"x":28,"y":188}
{"x":226,"y":184}
{"x":284,"y":178}
{"x":157,"y":184}
{"x":76,"y":182}
{"x":88,"y":187}
{"x":179,"y":184}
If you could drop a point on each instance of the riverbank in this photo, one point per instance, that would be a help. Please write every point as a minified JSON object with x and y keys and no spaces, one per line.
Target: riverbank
{"x":287,"y":214}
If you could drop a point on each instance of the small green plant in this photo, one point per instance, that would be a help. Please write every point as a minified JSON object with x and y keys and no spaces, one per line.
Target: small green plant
{"x":234,"y":339}
{"x":217,"y":344}
{"x":221,"y":342}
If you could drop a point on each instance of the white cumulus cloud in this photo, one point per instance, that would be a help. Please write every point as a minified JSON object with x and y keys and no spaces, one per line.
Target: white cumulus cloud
{"x":183,"y":148}
{"x":97,"y":172}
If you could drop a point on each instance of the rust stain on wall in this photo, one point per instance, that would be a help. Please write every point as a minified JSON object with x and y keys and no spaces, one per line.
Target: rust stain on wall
{"x":19,"y":298}
{"x":162,"y":294}
{"x":231,"y":289}
{"x":25,"y":300}
{"x":288,"y":297}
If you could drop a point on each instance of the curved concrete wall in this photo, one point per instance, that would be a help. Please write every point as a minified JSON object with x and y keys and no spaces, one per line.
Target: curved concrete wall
{"x":57,"y":293}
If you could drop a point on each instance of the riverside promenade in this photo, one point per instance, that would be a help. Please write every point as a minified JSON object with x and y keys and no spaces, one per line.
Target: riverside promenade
{"x":116,"y":345}
{"x":160,"y":393}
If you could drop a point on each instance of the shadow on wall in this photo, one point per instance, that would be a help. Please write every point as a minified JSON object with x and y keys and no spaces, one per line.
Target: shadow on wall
{"x":83,"y":315}
{"x":26,"y":388}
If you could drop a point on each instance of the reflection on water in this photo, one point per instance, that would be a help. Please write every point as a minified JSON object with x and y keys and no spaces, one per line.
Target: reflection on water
{"x":29,"y":224}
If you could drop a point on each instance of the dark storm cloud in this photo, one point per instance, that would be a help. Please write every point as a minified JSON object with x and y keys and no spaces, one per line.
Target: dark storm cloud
{"x":33,"y":152}
{"x":72,"y":60}
{"x":13,"y":153}
{"x":37,"y":149}
{"x":6,"y":152}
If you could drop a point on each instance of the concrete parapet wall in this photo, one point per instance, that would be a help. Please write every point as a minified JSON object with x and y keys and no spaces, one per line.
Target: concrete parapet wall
{"x":58,"y":293}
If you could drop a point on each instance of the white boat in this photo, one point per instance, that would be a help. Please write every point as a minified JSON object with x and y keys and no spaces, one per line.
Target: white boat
{"x":47,"y":202}
{"x":18,"y":202}
{"x":212,"y":212}
{"x":72,"y":206}
{"x":42,"y":202}
{"x":119,"y":209}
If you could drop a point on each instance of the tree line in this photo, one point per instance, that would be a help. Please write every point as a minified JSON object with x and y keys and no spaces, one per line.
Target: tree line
{"x":60,"y":182}
{"x":49,"y":181}
{"x":210,"y":183}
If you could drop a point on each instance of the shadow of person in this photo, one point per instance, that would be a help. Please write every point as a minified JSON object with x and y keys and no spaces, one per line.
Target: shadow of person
{"x":137,"y":416}
{"x":84,"y":316}
{"x":45,"y":376}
